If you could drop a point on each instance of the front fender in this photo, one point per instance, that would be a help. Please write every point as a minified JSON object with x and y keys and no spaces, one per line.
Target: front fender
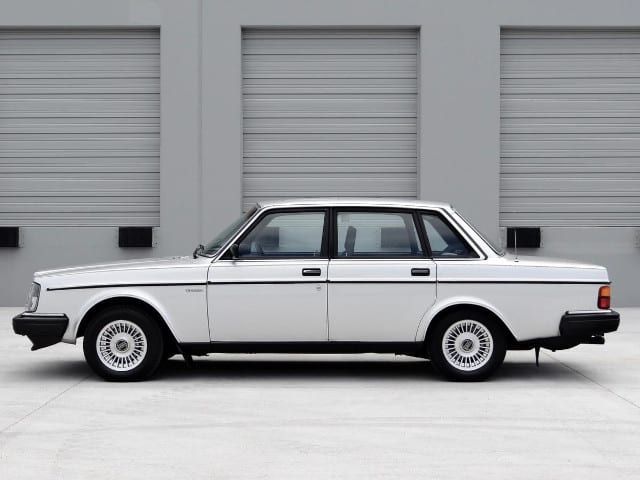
{"x":443,"y":304}
{"x":135,"y":293}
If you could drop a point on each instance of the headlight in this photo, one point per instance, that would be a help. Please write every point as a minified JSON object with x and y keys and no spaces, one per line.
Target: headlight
{"x":34,"y":296}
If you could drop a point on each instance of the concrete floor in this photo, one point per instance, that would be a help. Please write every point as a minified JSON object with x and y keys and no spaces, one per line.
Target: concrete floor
{"x":292,"y":417}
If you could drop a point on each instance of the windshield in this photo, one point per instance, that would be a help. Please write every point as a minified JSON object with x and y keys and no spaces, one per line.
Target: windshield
{"x":223,"y":237}
{"x":497,"y":249}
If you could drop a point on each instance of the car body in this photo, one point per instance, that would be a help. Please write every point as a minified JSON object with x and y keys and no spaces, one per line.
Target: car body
{"x":325,"y":275}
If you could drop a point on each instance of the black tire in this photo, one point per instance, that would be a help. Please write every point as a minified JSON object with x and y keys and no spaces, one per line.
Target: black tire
{"x":145,"y":364}
{"x":486,"y":366}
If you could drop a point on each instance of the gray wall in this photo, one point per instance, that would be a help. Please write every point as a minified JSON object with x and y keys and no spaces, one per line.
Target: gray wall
{"x":201,"y":138}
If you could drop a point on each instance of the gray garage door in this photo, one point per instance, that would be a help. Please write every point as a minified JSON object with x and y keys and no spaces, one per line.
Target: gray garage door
{"x":329,"y":112}
{"x":79,"y":127}
{"x":570,"y":130}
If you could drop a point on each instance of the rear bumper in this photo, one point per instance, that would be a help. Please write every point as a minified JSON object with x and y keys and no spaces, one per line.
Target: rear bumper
{"x":576,"y":328}
{"x":42,"y":330}
{"x":581,"y":325}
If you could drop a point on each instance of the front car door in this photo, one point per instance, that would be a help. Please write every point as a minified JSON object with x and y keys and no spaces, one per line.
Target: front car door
{"x":381,"y":280}
{"x":275,"y":290}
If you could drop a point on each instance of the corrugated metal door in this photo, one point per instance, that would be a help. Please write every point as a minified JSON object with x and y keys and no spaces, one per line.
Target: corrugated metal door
{"x":79,"y":127}
{"x":329,"y":112}
{"x":570,"y":127}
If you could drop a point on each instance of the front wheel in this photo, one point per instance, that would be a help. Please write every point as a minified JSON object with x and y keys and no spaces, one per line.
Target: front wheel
{"x":467,"y":346}
{"x":123,"y":344}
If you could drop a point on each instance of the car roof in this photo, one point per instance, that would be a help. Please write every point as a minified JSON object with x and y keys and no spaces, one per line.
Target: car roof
{"x":353,"y":202}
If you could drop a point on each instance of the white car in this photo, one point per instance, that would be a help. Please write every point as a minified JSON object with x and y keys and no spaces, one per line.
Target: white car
{"x":325,"y":276}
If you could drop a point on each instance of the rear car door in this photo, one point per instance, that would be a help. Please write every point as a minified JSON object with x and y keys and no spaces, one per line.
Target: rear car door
{"x":381,"y":280}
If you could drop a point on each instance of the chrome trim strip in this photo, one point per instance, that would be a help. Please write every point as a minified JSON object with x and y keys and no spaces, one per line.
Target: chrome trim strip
{"x":528,"y":282}
{"x":120,"y":285}
{"x":53,"y":316}
{"x":587,"y":312}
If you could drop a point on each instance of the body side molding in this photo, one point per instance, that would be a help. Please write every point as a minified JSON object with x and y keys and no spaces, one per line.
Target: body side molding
{"x":187,"y":284}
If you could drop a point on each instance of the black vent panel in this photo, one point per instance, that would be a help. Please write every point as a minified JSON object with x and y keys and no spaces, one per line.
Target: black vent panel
{"x":135,"y":237}
{"x":9,"y":237}
{"x":527,"y":237}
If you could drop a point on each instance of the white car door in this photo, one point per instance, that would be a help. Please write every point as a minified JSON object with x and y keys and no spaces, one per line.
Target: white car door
{"x":275,"y":289}
{"x":381,"y":282}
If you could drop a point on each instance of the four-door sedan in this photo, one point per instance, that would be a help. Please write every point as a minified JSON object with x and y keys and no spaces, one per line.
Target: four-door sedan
{"x":325,"y":276}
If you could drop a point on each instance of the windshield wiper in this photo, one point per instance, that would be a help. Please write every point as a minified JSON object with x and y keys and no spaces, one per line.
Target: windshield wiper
{"x":198,"y":251}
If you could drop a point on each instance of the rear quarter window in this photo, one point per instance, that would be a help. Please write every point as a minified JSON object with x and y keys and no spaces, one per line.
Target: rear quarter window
{"x":444,"y":240}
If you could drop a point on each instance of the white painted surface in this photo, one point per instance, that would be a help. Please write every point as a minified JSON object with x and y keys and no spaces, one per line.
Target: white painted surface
{"x":388,"y":308}
{"x":323,"y":417}
{"x":262,"y":300}
{"x":181,"y":303}
{"x":272,"y":308}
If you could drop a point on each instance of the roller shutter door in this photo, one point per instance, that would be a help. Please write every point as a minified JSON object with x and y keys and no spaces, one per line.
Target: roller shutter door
{"x":570,"y":127}
{"x":329,"y":112}
{"x":79,"y":127}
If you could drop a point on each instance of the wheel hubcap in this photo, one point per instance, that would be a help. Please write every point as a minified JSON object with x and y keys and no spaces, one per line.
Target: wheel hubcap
{"x":121,"y":345}
{"x":467,"y":345}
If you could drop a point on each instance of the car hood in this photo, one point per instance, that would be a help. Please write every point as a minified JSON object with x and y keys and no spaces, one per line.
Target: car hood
{"x":137,"y":264}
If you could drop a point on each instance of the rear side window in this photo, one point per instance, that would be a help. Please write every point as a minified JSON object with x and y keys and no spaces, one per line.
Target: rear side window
{"x":445,"y":242}
{"x":376,"y":234}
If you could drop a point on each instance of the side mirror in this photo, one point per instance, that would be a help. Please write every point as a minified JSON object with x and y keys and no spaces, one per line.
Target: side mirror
{"x":233,"y":249}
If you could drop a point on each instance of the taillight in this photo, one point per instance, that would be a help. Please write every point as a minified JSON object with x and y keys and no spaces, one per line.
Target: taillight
{"x":604,"y":297}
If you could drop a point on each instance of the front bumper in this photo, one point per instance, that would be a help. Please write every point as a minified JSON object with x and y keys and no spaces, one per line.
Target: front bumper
{"x":42,"y":330}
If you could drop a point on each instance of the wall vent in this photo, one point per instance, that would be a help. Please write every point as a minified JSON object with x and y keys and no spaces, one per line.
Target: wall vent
{"x":528,"y":237}
{"x":135,"y":237}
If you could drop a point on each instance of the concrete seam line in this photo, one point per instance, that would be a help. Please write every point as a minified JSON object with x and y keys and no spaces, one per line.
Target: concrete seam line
{"x":631,"y":402}
{"x":40,"y":407}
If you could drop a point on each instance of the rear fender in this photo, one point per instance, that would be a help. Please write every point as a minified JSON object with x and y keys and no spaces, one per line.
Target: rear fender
{"x":440,"y":306}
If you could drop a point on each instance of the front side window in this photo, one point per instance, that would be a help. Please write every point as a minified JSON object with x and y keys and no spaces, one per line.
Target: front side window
{"x":285,"y":234}
{"x":445,"y":242}
{"x":376,"y":234}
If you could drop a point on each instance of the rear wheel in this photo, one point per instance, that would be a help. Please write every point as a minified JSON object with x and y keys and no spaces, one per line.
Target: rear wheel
{"x":467,"y":346}
{"x":123,"y":344}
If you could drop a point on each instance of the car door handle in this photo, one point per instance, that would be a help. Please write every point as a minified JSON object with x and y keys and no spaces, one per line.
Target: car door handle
{"x":420,"y":272}
{"x":311,"y":272}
